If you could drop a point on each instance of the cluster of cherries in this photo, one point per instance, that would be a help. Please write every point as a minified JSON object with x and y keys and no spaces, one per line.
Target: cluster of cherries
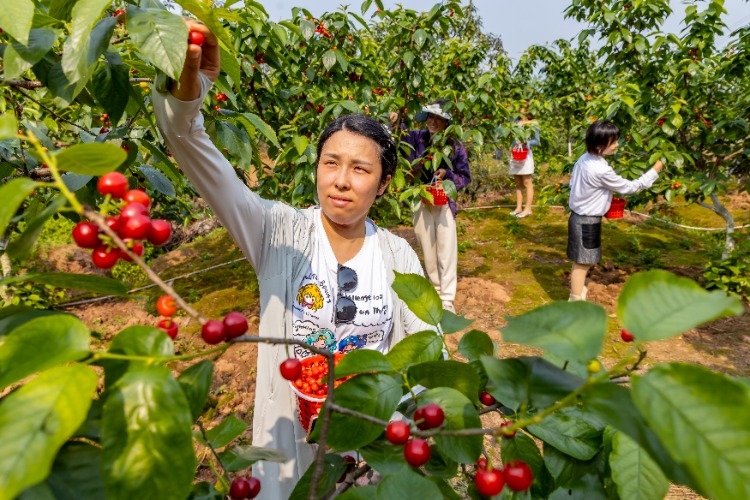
{"x":244,"y":487}
{"x":417,"y":451}
{"x":309,"y":378}
{"x":490,"y":482}
{"x":133,"y":224}
{"x":323,"y":31}
{"x":232,"y":326}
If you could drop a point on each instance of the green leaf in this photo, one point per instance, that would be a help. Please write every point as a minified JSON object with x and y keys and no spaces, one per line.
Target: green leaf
{"x":205,"y":491}
{"x":634,"y":472}
{"x":341,"y":58}
{"x":362,"y":361}
{"x":329,"y":59}
{"x":475,"y":344}
{"x":158,"y":180}
{"x":75,"y":54}
{"x":415,"y":348}
{"x":20,"y":247}
{"x":258,"y":124}
{"x":376,"y":395}
{"x":420,"y":296}
{"x":87,"y":282}
{"x":528,"y":380}
{"x":575,"y":479}
{"x":16,"y":19}
{"x":572,"y":331}
{"x":100,"y":38}
{"x":701,"y":417}
{"x":146,"y":437}
{"x":18,"y":57}
{"x":657,"y":305}
{"x":42,"y":343}
{"x":420,"y":37}
{"x":224,"y":433}
{"x":8,"y":127}
{"x":94,"y":158}
{"x":300,"y":144}
{"x":440,"y":466}
{"x":406,"y":480}
{"x":521,"y":447}
{"x":161,"y":37}
{"x":447,"y":373}
{"x":13,"y":193}
{"x":459,"y":414}
{"x":368,"y":492}
{"x":236,"y":140}
{"x":110,"y":86}
{"x":333,"y":467}
{"x":572,"y":432}
{"x":76,"y":472}
{"x":230,"y":63}
{"x":239,"y":458}
{"x":451,"y":323}
{"x":384,"y":457}
{"x":196,"y":384}
{"x":37,"y":419}
{"x":135,"y":341}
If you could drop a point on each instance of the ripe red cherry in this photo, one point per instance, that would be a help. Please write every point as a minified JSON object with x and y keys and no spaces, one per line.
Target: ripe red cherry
{"x":138,"y":196}
{"x":481,"y":463}
{"x":431,"y":416}
{"x":196,"y":38}
{"x":132,"y":209}
{"x":112,"y":183}
{"x":508,"y":424}
{"x":160,"y":232}
{"x":487,"y":399}
{"x":213,"y":332}
{"x":397,"y":432}
{"x":86,"y":235}
{"x":135,"y":227}
{"x":626,"y":336}
{"x":291,"y":369}
{"x":105,"y":257}
{"x":417,"y":452}
{"x":240,"y":488}
{"x":235,"y":324}
{"x":489,"y":482}
{"x":166,"y":306}
{"x":113,"y":223}
{"x":518,"y":475}
{"x":136,"y":248}
{"x":169,"y":326}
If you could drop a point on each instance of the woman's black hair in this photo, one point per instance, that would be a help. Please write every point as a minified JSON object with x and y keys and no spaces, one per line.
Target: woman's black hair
{"x":600,"y":135}
{"x":366,"y":127}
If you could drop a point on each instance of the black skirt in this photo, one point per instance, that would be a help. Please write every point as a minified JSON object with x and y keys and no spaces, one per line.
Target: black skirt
{"x":585,"y":239}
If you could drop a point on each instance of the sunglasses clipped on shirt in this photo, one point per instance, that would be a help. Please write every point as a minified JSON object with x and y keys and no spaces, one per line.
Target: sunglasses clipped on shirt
{"x":347,"y":281}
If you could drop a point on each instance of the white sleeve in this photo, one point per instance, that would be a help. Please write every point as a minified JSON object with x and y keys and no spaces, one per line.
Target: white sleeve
{"x":614,"y":182}
{"x":245,"y":215}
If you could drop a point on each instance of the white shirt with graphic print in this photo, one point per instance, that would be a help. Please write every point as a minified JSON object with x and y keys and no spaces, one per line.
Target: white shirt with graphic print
{"x":314,"y":309}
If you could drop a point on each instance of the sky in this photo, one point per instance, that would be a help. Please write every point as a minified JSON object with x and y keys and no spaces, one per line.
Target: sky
{"x":520,"y":23}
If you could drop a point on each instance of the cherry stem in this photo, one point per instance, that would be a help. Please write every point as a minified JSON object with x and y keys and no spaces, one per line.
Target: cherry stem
{"x":222,"y":477}
{"x":97,"y":218}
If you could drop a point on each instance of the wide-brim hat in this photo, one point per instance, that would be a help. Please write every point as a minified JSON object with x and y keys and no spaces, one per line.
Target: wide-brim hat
{"x":432,"y":109}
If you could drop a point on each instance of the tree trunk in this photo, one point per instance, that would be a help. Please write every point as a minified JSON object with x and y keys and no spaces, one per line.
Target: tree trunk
{"x":719,"y":209}
{"x":6,"y":268}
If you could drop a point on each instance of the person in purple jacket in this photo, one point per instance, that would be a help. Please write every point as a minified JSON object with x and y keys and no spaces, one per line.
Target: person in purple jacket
{"x":435,"y":225}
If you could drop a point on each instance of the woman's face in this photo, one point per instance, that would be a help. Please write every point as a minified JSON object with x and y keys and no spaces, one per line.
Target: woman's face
{"x":611,"y":148}
{"x":435,"y":123}
{"x":349,"y":171}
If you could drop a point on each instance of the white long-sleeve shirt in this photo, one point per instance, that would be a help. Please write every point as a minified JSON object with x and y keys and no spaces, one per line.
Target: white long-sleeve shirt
{"x":593,"y":182}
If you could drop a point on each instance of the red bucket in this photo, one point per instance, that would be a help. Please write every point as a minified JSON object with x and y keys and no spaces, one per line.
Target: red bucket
{"x":519,"y":153}
{"x":616,"y":209}
{"x":308,"y":404}
{"x":439,"y":197}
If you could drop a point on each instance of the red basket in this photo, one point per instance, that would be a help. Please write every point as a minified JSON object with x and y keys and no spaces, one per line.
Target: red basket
{"x":616,"y":209}
{"x":519,"y":153}
{"x":309,"y":406}
{"x":439,"y":197}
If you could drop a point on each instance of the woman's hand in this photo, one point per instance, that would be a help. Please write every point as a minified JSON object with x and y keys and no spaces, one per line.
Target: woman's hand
{"x":658,"y":166}
{"x":393,"y":117}
{"x":198,"y":58}
{"x":440,"y":174}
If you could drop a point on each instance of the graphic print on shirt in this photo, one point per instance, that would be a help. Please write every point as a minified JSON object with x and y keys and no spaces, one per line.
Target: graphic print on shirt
{"x":322,"y":339}
{"x":314,"y":322}
{"x":310,"y":296}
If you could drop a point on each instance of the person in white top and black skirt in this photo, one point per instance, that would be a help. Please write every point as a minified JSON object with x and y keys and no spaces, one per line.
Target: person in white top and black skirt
{"x":591,"y":187}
